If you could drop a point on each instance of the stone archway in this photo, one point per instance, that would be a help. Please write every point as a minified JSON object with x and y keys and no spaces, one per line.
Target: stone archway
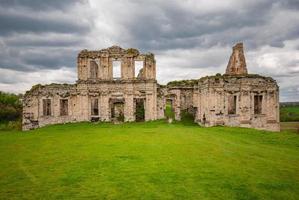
{"x":169,"y":109}
{"x":117,"y":110}
{"x":173,"y":105}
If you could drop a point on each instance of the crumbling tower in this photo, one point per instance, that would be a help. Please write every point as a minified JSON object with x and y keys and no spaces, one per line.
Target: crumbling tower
{"x":237,"y":63}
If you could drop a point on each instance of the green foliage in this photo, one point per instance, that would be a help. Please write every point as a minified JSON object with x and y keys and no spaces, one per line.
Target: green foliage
{"x":11,"y":125}
{"x":150,"y":56}
{"x":121,"y":118}
{"x":183,"y":83}
{"x":169,"y":113}
{"x":152,"y":160}
{"x":289,"y":113}
{"x":187,"y":119}
{"x":10,"y":107}
{"x":132,"y":51}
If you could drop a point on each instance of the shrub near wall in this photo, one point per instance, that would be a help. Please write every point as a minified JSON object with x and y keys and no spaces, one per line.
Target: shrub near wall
{"x":10,"y":111}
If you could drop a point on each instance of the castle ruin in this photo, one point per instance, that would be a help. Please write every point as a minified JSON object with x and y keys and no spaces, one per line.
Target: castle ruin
{"x":116,"y":84}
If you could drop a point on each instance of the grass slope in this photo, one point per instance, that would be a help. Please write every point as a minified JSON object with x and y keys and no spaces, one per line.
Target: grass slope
{"x":152,"y":160}
{"x":289,"y":113}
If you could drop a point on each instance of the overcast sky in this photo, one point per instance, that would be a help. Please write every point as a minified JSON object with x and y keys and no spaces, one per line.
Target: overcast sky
{"x":39,"y":40}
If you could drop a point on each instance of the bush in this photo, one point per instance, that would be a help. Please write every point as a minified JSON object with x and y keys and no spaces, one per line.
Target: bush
{"x":11,"y":125}
{"x":10,"y":107}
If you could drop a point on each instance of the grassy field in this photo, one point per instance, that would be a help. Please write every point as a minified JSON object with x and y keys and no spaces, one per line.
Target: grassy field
{"x":153,"y":160}
{"x":289,"y":113}
{"x":290,"y":127}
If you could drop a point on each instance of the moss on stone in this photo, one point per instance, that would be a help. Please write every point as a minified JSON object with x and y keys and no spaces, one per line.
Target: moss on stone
{"x":132,"y":51}
{"x":150,"y":56}
{"x":228,"y":77}
{"x":183,"y":83}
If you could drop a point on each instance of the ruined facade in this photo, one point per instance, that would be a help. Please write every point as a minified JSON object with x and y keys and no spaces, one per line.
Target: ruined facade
{"x":116,"y":84}
{"x":233,"y":99}
{"x":109,"y":88}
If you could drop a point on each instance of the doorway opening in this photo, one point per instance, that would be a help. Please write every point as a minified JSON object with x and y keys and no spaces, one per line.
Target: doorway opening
{"x":169,"y":111}
{"x":117,"y":110}
{"x":139,"y":110}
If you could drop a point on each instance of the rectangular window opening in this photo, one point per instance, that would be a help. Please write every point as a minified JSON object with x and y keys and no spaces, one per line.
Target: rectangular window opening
{"x":46,"y":107}
{"x":116,"y":69}
{"x":93,"y":69}
{"x":64,"y":107}
{"x":232,"y":104}
{"x":94,"y":107}
{"x":138,"y":67}
{"x":258,"y":99}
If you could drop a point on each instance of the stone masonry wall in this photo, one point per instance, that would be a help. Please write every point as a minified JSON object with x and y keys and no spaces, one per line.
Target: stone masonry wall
{"x":234,"y":99}
{"x":214,"y":99}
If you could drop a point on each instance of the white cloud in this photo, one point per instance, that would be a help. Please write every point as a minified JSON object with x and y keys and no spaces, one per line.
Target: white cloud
{"x":19,"y":82}
{"x":190,"y":39}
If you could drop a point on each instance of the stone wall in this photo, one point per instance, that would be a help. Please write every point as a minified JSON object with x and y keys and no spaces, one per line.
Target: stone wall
{"x":181,"y":98}
{"x":234,"y":99}
{"x":96,"y":84}
{"x":215,"y":98}
{"x":103,"y":61}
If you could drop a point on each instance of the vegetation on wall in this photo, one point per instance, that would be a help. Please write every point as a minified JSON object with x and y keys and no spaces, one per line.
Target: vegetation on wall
{"x":183,"y":83}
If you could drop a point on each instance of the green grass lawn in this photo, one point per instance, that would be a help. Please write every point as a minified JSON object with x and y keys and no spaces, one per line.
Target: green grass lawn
{"x":153,"y":160}
{"x":289,"y":113}
{"x":290,"y":126}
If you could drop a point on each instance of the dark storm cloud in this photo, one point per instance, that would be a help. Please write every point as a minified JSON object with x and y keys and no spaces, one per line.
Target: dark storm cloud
{"x":170,"y":25}
{"x":190,"y":38}
{"x":291,"y":4}
{"x":26,"y":60}
{"x":35,"y":35}
{"x":43,"y":40}
{"x":56,"y":59}
{"x":38,"y":16}
{"x":13,"y":23}
{"x":39,"y":5}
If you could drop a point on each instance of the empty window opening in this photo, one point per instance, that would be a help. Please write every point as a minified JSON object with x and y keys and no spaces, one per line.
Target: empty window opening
{"x":138,"y":69}
{"x":116,"y":69}
{"x":94,"y":107}
{"x":93,"y":69}
{"x":64,"y":107}
{"x":258,"y":104}
{"x":232,"y":104}
{"x":46,"y":107}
